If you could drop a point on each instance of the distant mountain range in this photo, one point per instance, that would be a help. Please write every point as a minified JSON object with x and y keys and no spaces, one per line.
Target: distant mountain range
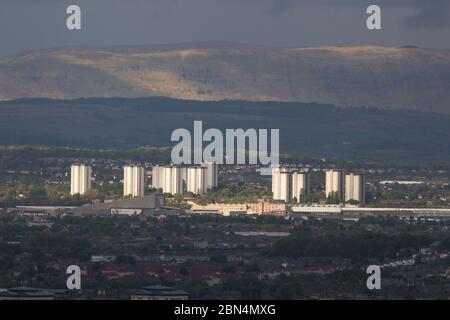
{"x":389,"y":78}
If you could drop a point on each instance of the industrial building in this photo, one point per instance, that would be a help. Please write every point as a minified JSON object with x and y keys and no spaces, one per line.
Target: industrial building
{"x":80,"y":179}
{"x":334,"y":184}
{"x":133,"y":181}
{"x":354,"y":212}
{"x":134,"y":206}
{"x":355,"y":188}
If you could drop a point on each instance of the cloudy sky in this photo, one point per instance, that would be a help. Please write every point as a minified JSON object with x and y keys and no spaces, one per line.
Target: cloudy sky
{"x":34,"y":24}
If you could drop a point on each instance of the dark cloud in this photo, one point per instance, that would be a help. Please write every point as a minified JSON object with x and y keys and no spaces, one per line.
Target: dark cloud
{"x":32,"y":24}
{"x":422,"y":13}
{"x":432,"y":14}
{"x":427,"y":14}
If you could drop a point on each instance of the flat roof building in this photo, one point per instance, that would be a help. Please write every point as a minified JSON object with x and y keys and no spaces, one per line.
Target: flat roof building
{"x":212,"y":175}
{"x":133,"y":181}
{"x":177,"y":180}
{"x":80,"y":179}
{"x":197,"y":180}
{"x":355,"y":188}
{"x":281,"y":184}
{"x":132,"y":206}
{"x":334,"y":184}
{"x":300,"y":185}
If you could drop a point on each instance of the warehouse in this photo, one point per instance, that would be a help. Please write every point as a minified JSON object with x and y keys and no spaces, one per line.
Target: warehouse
{"x":133,"y":206}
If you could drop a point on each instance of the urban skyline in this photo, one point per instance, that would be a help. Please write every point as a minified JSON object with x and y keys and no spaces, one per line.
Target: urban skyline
{"x":230,"y":153}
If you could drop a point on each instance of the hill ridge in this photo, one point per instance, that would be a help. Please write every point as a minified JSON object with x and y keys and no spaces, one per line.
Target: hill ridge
{"x":385,"y":77}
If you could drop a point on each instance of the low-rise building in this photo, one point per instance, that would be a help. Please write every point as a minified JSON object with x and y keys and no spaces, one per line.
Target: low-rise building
{"x":259,"y":208}
{"x":132,"y":206}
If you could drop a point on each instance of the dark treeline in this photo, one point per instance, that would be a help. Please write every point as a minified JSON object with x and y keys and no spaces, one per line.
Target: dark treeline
{"x":360,"y":245}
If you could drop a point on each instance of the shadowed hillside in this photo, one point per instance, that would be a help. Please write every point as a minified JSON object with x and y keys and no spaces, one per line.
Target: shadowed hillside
{"x":410,"y":78}
{"x":305,"y":129}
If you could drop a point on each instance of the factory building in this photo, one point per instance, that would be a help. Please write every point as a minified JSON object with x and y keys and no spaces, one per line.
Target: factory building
{"x":135,"y":206}
{"x":133,"y":181}
{"x":355,"y":188}
{"x":80,"y":179}
{"x":334,"y":184}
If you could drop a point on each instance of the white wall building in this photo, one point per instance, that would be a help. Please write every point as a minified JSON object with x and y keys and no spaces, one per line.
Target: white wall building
{"x":133,"y":181}
{"x":168,"y":178}
{"x":156,"y":177}
{"x":287,"y":185}
{"x":355,"y":188}
{"x":197,"y":180}
{"x":174,"y":180}
{"x":212,"y":175}
{"x":334,"y":183}
{"x":300,"y":185}
{"x":281,"y":184}
{"x":80,"y":179}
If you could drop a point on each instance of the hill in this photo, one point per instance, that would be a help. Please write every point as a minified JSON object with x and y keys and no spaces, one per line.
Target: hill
{"x":305,"y":129}
{"x":407,"y":78}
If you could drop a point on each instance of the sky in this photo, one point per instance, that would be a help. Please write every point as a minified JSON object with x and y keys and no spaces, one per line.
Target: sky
{"x":36,"y":24}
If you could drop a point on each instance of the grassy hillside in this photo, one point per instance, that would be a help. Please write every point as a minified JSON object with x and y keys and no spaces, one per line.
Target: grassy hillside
{"x":306,"y":129}
{"x":407,"y":78}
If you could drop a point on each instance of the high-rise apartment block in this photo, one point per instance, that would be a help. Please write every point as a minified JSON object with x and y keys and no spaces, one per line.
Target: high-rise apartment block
{"x":355,"y":188}
{"x":300,"y":185}
{"x":197,"y":180}
{"x":212,"y":175}
{"x":133,"y":181}
{"x":176,"y":180}
{"x":80,"y":179}
{"x":287,"y":185}
{"x":169,"y":179}
{"x":334,"y":184}
{"x":281,"y":184}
